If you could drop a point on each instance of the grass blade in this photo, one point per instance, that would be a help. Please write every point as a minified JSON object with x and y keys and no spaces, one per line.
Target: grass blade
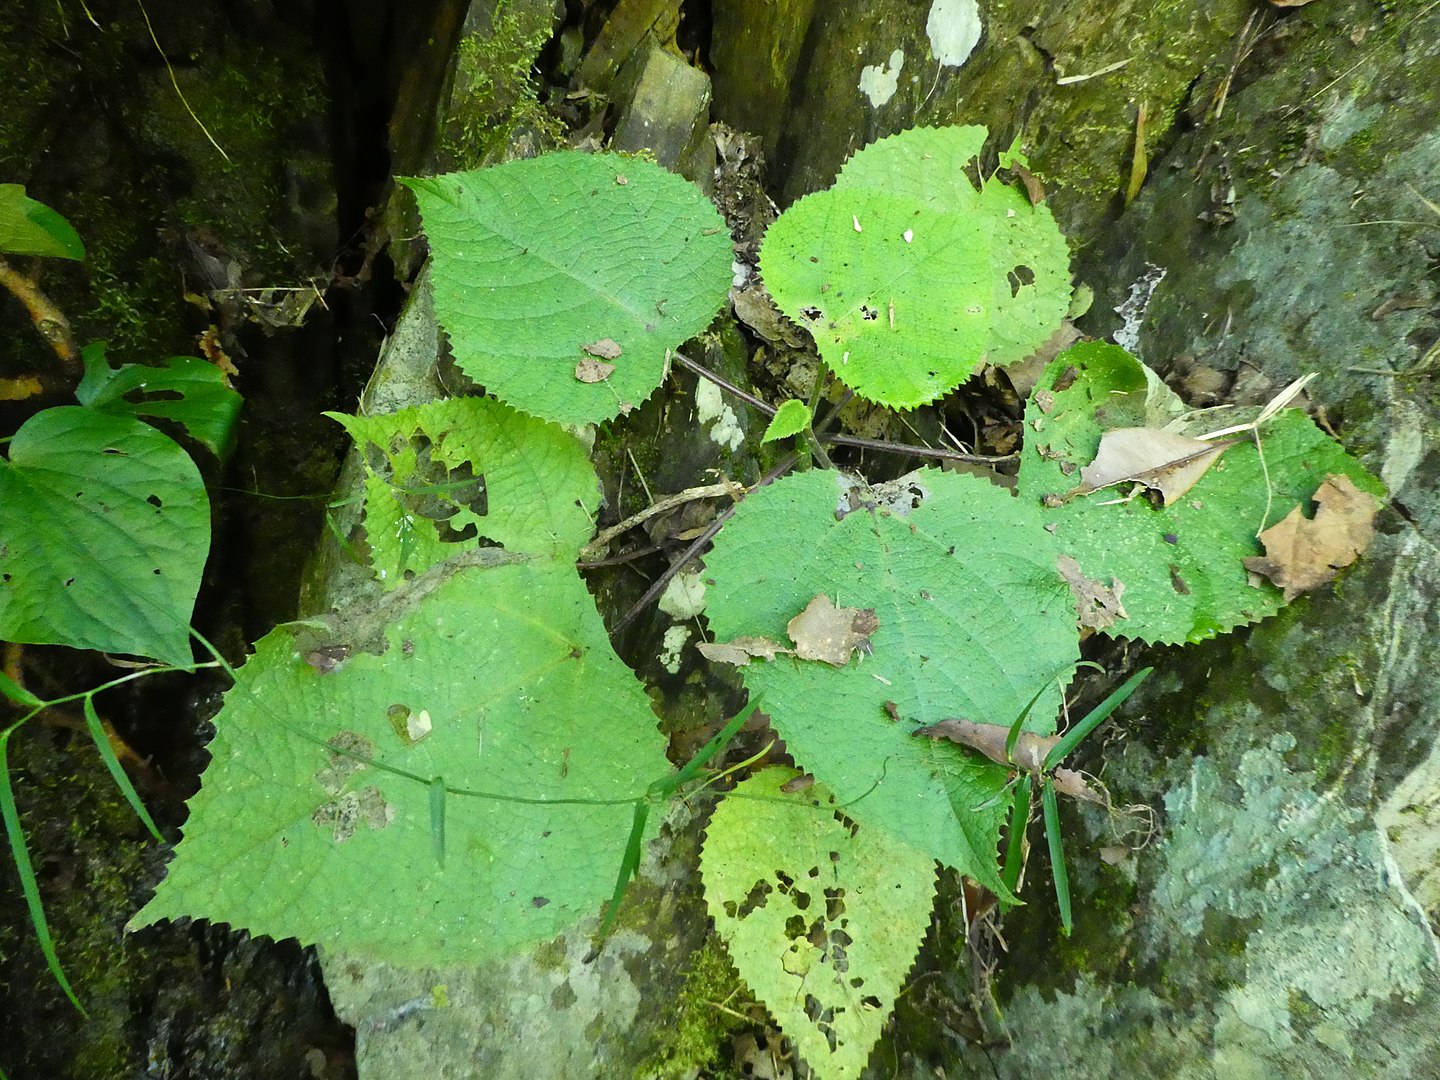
{"x":692,"y":767}
{"x":1061,"y":750}
{"x":1057,"y":853}
{"x":1015,"y":727}
{"x":1015,"y":848}
{"x":117,"y":771}
{"x":28,"y":884}
{"x":628,"y":865}
{"x":12,"y":690}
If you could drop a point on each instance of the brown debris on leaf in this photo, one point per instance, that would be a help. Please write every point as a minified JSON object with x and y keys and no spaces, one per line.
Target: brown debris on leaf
{"x":593,"y":371}
{"x":824,"y":632}
{"x":605,"y":349}
{"x":1029,"y":752}
{"x":1161,"y":460}
{"x":1097,"y":606}
{"x":1304,"y":553}
{"x":742,"y":650}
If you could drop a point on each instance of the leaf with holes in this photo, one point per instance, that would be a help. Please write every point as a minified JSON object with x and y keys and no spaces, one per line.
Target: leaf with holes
{"x":822,"y":913}
{"x":537,"y":261}
{"x":1181,"y":565}
{"x":320,"y":795}
{"x":971,"y":618}
{"x":185,"y":389}
{"x":441,"y":474}
{"x":908,"y":277}
{"x":104,"y":530}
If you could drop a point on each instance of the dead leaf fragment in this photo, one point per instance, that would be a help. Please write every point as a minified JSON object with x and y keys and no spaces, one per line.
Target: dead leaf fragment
{"x":990,"y":739}
{"x":593,"y":371}
{"x":1161,"y":460}
{"x":605,"y":349}
{"x":1097,"y":606}
{"x":742,"y":650}
{"x":1304,"y":553}
{"x":829,"y":633}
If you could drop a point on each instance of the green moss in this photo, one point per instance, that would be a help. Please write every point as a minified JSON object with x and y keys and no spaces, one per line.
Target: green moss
{"x":710,"y":1008}
{"x":492,"y":98}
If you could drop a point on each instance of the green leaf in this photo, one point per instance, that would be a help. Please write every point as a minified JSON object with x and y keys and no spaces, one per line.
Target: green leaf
{"x":115,"y":769}
{"x":1180,"y":565}
{"x":822,"y":914}
{"x":536,"y":260}
{"x":506,"y":684}
{"x":104,"y":530}
{"x":908,"y":277}
{"x":185,"y":389}
{"x":791,"y":418}
{"x":539,"y":489}
{"x":973,"y":619}
{"x":28,"y":227}
{"x":13,"y":691}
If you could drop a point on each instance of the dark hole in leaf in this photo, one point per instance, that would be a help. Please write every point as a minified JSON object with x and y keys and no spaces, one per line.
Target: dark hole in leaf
{"x":834,"y":903}
{"x":812,"y":313}
{"x":113,"y":450}
{"x":800,"y":899}
{"x":730,"y":908}
{"x":814,"y":872}
{"x":69,"y":581}
{"x":154,"y":500}
{"x":1019,"y":277}
{"x":834,"y":856}
{"x":870,"y":1001}
{"x":813,"y":1008}
{"x":156,"y":571}
{"x":839,"y":961}
{"x":785,"y":880}
{"x":856,"y":982}
{"x":869,"y":314}
{"x":814,"y":258}
{"x":755,"y":898}
{"x":140,"y":395}
{"x":795,"y":927}
{"x":841,"y":938}
{"x":539,"y":901}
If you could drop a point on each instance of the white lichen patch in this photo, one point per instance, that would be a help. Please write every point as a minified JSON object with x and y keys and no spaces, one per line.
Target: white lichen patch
{"x":672,"y":647}
{"x":684,"y":597}
{"x":878,"y":81}
{"x":710,"y":408}
{"x":954,"y":30}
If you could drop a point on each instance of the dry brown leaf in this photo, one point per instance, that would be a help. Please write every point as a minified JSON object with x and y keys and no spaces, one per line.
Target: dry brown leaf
{"x":1029,"y":752}
{"x":742,"y":650}
{"x":1162,"y":460}
{"x":1096,"y":606}
{"x":1304,"y":553}
{"x":605,"y":349}
{"x":593,"y":371}
{"x":990,"y":739}
{"x":829,"y":633}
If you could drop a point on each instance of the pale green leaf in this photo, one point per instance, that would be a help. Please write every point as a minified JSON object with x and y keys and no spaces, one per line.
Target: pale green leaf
{"x":908,"y":277}
{"x":973,"y":620}
{"x":539,"y":492}
{"x":185,"y":389}
{"x":791,"y":418}
{"x":28,"y":227}
{"x":821,"y":913}
{"x":104,"y":530}
{"x":1179,"y":566}
{"x":498,"y":680}
{"x":534,"y":260}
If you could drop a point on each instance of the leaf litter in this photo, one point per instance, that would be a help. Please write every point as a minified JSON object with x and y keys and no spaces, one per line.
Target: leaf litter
{"x":1304,"y":553}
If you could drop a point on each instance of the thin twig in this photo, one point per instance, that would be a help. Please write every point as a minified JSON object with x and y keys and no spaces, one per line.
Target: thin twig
{"x":668,"y":502}
{"x":723,"y":384}
{"x":917,"y":451}
{"x":697,"y":546}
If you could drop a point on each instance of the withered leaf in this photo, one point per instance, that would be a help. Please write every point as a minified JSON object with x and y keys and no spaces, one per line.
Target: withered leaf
{"x":742,"y":650}
{"x":1029,"y":753}
{"x":1161,"y":460}
{"x":824,"y":632}
{"x":1097,"y":606}
{"x":593,"y":371}
{"x":605,"y":349}
{"x":1304,"y":553}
